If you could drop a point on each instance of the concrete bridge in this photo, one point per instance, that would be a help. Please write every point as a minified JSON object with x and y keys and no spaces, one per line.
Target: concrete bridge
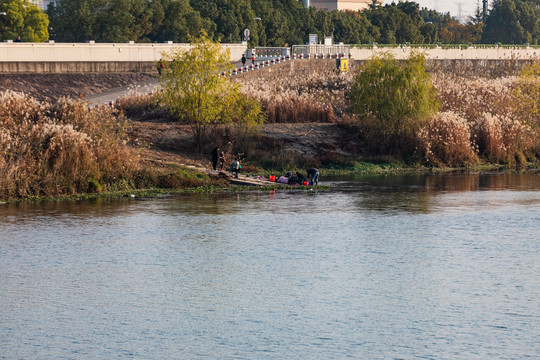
{"x":130,"y":57}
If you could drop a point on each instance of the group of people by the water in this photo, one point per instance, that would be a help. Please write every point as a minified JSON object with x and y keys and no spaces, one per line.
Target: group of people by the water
{"x":312,"y":178}
{"x":219,"y":156}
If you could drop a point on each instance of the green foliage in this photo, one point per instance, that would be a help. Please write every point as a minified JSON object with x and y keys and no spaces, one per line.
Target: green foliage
{"x":394,"y":99}
{"x":194,"y":90}
{"x":281,"y":22}
{"x":23,"y":19}
{"x":513,"y":22}
{"x":526,"y":96}
{"x":94,"y":186}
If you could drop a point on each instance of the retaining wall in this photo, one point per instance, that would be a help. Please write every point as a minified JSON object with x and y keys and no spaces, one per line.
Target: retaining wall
{"x":90,"y":57}
{"x":292,"y":67}
{"x":131,"y":57}
{"x":465,"y":53}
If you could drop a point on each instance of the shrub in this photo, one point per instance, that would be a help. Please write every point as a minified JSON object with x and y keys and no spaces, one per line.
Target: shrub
{"x":394,"y":99}
{"x":194,"y":90}
{"x":526,"y":95}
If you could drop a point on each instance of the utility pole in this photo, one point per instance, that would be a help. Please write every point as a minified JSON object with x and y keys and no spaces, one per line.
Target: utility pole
{"x":459,"y":5}
{"x":484,"y":10}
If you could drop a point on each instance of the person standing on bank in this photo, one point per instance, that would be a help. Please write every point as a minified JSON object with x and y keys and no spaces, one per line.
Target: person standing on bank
{"x":243,"y":60}
{"x":222,"y":160}
{"x":313,"y":176}
{"x":215,"y":155}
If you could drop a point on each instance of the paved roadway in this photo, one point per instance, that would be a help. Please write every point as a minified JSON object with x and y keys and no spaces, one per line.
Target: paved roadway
{"x":115,"y":94}
{"x":143,"y":87}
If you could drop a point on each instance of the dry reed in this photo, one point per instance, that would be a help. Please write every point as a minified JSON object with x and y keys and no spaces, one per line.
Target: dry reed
{"x":318,"y":97}
{"x":60,"y":148}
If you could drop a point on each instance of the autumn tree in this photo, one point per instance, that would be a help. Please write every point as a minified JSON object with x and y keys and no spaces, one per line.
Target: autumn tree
{"x":194,"y":90}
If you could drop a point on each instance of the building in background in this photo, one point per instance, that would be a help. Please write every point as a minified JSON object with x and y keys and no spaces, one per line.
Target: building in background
{"x":42,"y":4}
{"x":354,"y":5}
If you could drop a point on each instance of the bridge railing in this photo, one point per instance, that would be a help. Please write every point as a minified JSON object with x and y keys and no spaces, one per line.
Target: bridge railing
{"x":268,"y":56}
{"x":271,"y":52}
{"x":306,"y":51}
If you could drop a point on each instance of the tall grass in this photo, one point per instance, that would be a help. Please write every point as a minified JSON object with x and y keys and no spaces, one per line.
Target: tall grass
{"x":317,"y":97}
{"x":60,"y":148}
{"x":486,"y":109}
{"x":480,"y":119}
{"x":446,"y":140}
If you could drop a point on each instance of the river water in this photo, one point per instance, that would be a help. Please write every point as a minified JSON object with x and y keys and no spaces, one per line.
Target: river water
{"x":382,"y":267}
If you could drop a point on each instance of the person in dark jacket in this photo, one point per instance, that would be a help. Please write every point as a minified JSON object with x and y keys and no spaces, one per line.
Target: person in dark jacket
{"x":215,"y":156}
{"x":313,"y":176}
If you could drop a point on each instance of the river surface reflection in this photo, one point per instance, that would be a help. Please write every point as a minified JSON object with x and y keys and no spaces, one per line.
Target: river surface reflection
{"x":381,"y":267}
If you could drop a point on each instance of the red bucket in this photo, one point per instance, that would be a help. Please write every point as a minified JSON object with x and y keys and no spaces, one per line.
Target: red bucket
{"x":272,"y":178}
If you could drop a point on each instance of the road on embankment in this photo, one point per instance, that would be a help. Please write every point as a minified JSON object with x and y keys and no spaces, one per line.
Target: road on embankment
{"x":111,"y":96}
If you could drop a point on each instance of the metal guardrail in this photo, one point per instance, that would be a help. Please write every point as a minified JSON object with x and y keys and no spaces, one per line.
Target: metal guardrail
{"x":271,"y":52}
{"x":301,"y":51}
{"x":268,"y":56}
{"x":315,"y":51}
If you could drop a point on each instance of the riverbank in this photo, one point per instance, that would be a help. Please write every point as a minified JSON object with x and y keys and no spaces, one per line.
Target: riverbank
{"x":149,"y":149}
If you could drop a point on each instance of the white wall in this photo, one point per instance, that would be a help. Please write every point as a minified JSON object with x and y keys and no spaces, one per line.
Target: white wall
{"x":98,"y":52}
{"x":470,"y":53}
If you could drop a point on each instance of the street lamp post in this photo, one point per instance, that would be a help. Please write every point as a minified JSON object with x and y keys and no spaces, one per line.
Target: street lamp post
{"x":2,"y":14}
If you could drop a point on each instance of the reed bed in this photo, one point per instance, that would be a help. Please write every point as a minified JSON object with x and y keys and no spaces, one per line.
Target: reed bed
{"x":479,"y":117}
{"x":486,"y":112}
{"x":60,"y":148}
{"x":317,"y":97}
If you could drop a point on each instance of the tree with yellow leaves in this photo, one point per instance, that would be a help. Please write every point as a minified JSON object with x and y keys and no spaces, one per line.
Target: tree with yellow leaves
{"x":196,"y":93}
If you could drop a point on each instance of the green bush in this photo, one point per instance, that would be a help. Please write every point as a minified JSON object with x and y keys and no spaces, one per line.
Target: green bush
{"x":393,"y":100}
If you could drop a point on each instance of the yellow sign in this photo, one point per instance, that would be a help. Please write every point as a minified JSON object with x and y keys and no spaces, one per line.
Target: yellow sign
{"x":344,"y":64}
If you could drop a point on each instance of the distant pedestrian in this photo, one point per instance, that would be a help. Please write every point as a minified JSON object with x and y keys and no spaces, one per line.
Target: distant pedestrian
{"x":18,"y":39}
{"x":160,"y":67}
{"x":215,"y":155}
{"x":313,"y":176}
{"x":252,"y":59}
{"x":243,"y":60}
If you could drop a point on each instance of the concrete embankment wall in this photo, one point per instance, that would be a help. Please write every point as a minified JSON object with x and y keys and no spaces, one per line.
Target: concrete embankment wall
{"x":466,"y":53}
{"x":297,"y":67}
{"x":90,"y":57}
{"x":306,"y":67}
{"x":129,"y":57}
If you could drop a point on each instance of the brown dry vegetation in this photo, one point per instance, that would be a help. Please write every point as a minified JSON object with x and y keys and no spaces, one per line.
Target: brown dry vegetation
{"x":64,"y":148}
{"x":480,"y":118}
{"x":308,"y":124}
{"x":61,"y":147}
